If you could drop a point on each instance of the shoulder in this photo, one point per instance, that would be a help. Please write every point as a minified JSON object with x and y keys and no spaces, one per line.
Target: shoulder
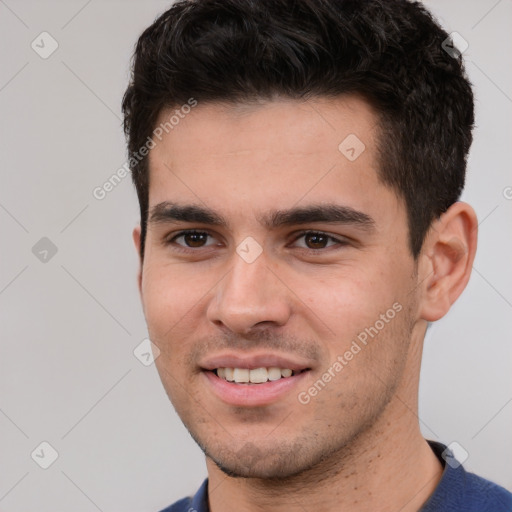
{"x":486,"y":495}
{"x":183,"y":505}
{"x":197,"y":503}
{"x":462,"y":491}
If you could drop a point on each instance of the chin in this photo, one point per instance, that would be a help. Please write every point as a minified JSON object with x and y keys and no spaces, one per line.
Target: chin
{"x":276,"y":463}
{"x":253,"y":461}
{"x":263,"y":470}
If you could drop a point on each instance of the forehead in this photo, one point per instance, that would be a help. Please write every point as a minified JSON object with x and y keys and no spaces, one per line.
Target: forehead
{"x":285,"y":126}
{"x":278,"y":152}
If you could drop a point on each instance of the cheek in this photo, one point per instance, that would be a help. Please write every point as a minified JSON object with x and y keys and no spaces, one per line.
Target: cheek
{"x":170,"y":300}
{"x":350,"y":300}
{"x":168,"y":297}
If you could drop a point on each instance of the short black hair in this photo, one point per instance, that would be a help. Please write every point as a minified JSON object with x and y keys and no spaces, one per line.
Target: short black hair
{"x":388,"y":51}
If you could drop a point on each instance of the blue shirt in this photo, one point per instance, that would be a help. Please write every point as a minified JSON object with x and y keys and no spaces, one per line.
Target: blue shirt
{"x":457,"y":491}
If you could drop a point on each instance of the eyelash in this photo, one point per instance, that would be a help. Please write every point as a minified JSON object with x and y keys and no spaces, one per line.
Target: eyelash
{"x":181,"y":248}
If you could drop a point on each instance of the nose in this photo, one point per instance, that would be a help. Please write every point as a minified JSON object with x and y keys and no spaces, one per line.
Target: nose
{"x":250,"y":296}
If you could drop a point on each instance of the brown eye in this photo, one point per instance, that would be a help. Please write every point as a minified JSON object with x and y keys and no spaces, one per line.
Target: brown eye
{"x":195,"y":239}
{"x":316,"y":240}
{"x":192,"y":240}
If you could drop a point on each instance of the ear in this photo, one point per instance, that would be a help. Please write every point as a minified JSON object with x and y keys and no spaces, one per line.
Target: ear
{"x":447,"y":260}
{"x":136,"y":241}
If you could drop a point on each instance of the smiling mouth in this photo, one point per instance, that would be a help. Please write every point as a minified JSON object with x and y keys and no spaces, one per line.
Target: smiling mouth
{"x":256,"y":375}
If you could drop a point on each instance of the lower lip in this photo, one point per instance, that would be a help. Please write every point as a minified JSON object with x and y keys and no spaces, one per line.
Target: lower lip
{"x":251,"y":395}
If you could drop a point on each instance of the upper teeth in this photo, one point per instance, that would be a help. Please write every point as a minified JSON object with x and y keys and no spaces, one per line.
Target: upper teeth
{"x":256,"y":376}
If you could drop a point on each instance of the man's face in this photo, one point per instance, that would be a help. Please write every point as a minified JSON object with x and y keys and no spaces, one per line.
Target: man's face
{"x":298,"y":257}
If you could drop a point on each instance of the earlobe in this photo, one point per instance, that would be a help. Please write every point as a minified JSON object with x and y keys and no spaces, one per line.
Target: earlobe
{"x":448,"y":254}
{"x":136,"y":241}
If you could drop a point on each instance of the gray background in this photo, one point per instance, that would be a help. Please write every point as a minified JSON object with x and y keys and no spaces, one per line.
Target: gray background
{"x":70,"y":324}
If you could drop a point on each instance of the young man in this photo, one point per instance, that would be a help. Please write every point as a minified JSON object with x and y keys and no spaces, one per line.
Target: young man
{"x":298,"y":165}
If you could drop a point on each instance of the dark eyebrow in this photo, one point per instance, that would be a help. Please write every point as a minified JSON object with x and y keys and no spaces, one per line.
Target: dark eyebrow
{"x":172,"y":212}
{"x":328,"y":213}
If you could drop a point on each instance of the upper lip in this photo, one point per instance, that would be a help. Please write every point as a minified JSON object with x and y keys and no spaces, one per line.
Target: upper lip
{"x":230,"y":360}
